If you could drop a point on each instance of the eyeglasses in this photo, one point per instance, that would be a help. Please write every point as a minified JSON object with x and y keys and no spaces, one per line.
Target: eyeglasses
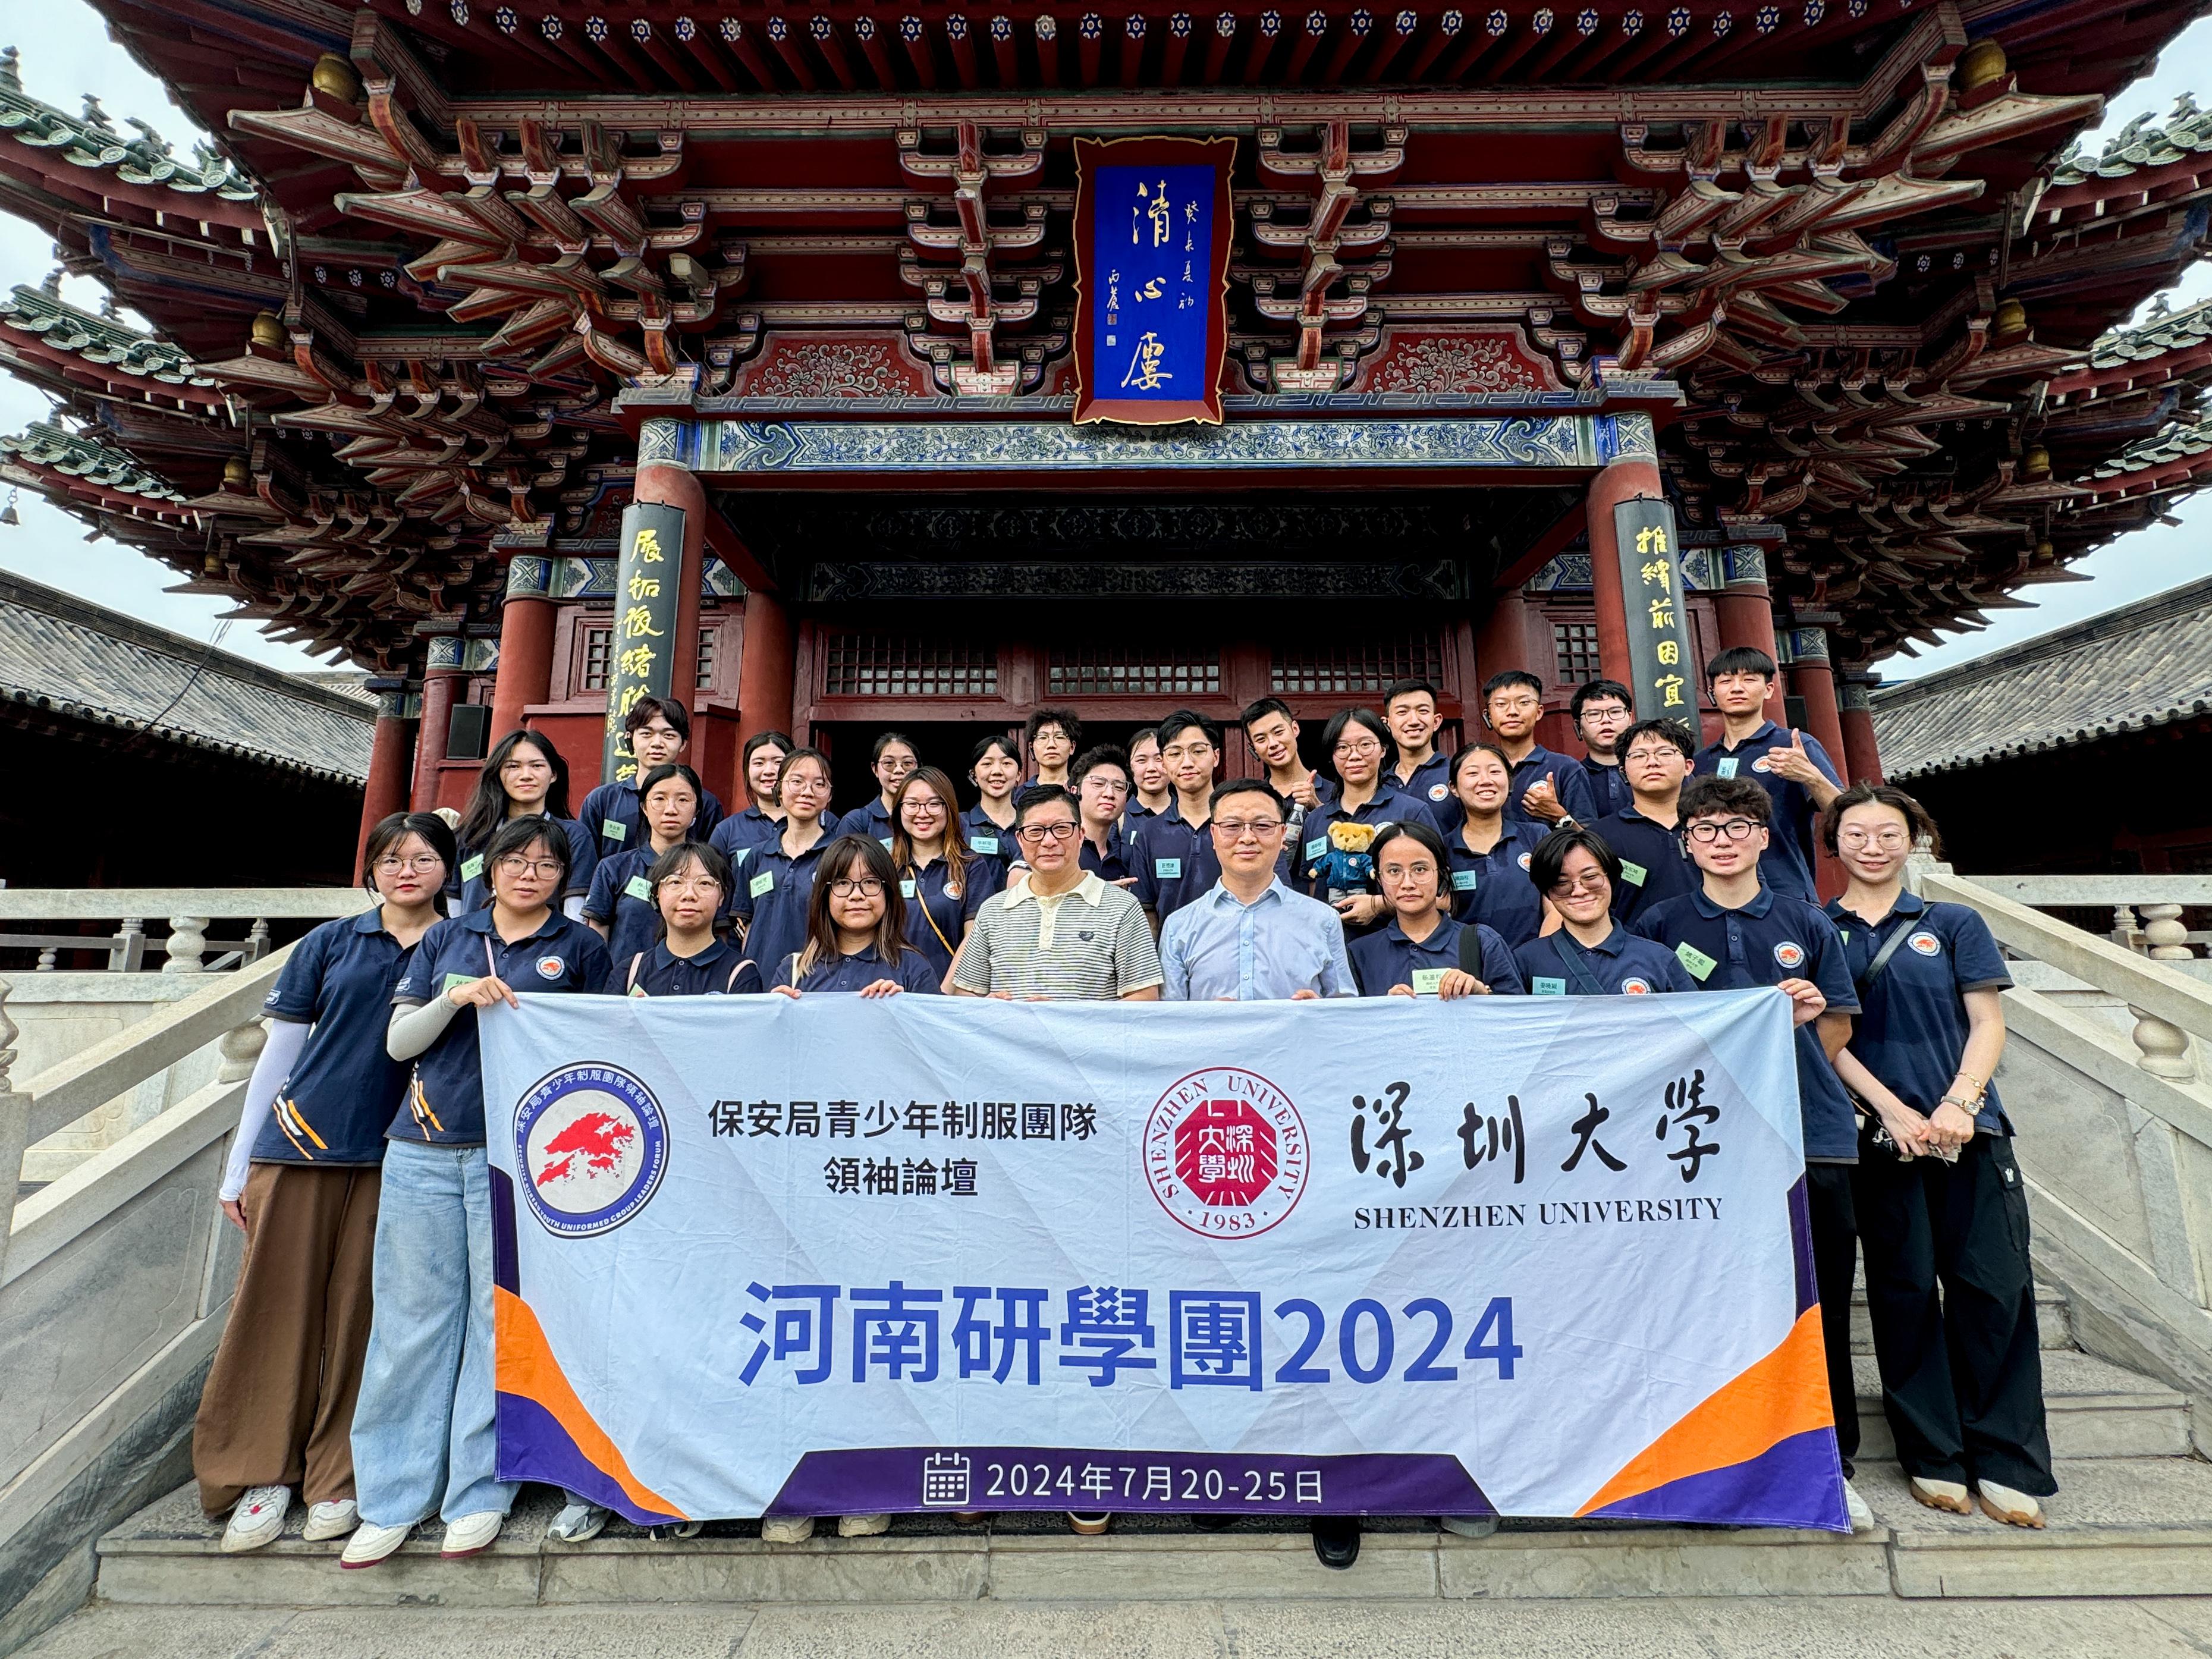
{"x":1516,"y":705}
{"x":1592,"y":881}
{"x":1106,"y":785}
{"x":1645,"y":756}
{"x":389,"y":866}
{"x":864,"y":887}
{"x":1857,"y":838}
{"x":515,"y":864}
{"x":1707,"y":831}
{"x":1036,"y":832}
{"x":1238,"y":828}
{"x":1186,"y":752}
{"x":691,"y":884}
{"x":1368,"y":747}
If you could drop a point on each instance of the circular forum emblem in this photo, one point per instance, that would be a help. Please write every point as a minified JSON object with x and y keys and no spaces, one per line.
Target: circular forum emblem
{"x":591,"y":1145}
{"x":1226,"y":1153}
{"x":1926,"y":943}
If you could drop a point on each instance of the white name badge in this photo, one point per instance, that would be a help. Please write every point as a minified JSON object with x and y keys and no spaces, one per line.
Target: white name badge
{"x":1725,"y":769}
{"x":1548,"y":987}
{"x":1315,"y":848}
{"x":983,"y":844}
{"x":906,"y":889}
{"x":1463,"y":881}
{"x":1168,"y":869}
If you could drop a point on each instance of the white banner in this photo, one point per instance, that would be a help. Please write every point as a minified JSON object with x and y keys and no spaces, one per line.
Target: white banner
{"x":1546,"y":1256}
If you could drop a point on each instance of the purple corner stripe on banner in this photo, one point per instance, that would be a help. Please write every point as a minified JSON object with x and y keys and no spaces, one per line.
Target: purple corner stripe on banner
{"x":533,"y":1447}
{"x":891,"y":1479}
{"x":506,"y":1259}
{"x":1801,"y":1245}
{"x":1796,"y":1482}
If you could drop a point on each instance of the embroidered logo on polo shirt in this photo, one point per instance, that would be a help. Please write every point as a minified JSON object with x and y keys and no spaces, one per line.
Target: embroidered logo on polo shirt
{"x":1789,"y":954}
{"x":1523,"y":860}
{"x":1636,"y":987}
{"x":1437,"y":791}
{"x":551,"y":967}
{"x":1927,"y":943}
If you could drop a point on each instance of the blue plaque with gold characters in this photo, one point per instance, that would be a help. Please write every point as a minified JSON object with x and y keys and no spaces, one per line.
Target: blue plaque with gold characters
{"x":1659,"y":652}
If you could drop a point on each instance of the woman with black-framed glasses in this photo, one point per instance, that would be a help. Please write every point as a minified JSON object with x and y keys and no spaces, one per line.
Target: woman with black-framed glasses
{"x":1589,"y":954}
{"x":856,"y":929}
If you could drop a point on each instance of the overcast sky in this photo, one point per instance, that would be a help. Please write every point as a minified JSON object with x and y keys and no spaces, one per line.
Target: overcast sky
{"x":66,"y":53}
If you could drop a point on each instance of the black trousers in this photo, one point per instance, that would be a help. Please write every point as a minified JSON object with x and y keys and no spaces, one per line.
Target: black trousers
{"x":1835,"y":1262}
{"x":1961,"y":1372}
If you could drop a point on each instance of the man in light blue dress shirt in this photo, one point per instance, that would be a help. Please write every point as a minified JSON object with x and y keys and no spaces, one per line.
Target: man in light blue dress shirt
{"x":1250,"y":939}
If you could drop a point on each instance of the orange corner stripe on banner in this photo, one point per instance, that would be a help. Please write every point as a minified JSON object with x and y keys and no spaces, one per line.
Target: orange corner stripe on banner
{"x":527,"y":1367}
{"x":1785,"y":1393}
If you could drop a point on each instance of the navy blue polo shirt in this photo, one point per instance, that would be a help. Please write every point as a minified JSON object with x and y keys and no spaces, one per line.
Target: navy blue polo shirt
{"x":1493,"y":888}
{"x":859,"y":971}
{"x":1116,"y":863}
{"x":470,"y":885}
{"x":739,"y":833}
{"x":985,"y":839}
{"x":874,"y":819}
{"x":1608,"y":789}
{"x":444,"y":1106}
{"x":773,"y":892}
{"x":1769,"y":940}
{"x":1386,"y":958}
{"x":615,"y":814}
{"x":1621,"y":964}
{"x":1568,"y":783}
{"x":1913,"y":1025}
{"x":720,"y":969}
{"x":1654,"y":863}
{"x":1430,"y":785}
{"x":622,"y":898}
{"x":1786,"y":866}
{"x":1175,"y":861}
{"x":333,"y":1107}
{"x":938,"y":909}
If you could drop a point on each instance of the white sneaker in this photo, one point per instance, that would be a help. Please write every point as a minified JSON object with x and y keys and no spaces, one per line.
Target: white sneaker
{"x":1949,"y":1496}
{"x":371,"y":1543}
{"x":1862,"y":1517}
{"x":331,"y":1520}
{"x":788,"y":1530}
{"x":2015,"y":1509}
{"x":257,"y":1520}
{"x":862,"y":1526}
{"x":662,"y":1534}
{"x":471,"y":1535}
{"x":578,"y":1523}
{"x":1468,"y":1526}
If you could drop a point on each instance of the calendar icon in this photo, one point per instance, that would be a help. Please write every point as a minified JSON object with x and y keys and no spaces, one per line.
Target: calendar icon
{"x":944,"y":1482}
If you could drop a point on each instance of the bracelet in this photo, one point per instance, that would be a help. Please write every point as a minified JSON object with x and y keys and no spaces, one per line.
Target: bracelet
{"x":1965,"y":1106}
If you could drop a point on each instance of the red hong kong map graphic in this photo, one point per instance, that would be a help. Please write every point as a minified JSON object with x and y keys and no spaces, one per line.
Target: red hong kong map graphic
{"x":1225,"y":1153}
{"x":593,"y":1144}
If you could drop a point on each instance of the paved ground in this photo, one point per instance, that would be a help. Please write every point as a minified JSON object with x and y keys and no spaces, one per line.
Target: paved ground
{"x":1862,"y":1627}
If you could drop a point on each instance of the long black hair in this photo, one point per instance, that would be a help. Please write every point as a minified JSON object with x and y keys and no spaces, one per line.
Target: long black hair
{"x":391,"y":831}
{"x":487,"y":802}
{"x":852,"y":858}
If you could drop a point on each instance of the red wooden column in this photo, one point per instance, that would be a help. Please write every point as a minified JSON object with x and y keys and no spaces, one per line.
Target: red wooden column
{"x":1743,"y":605}
{"x":391,"y":757}
{"x":442,"y":676}
{"x":1854,"y":708}
{"x":524,"y":675}
{"x":676,"y":486}
{"x":765,"y":691}
{"x":1623,"y":481}
{"x":1812,"y":679}
{"x":1501,"y":641}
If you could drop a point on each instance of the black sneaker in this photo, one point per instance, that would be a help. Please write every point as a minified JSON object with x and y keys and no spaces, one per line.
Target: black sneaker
{"x":1336,"y":1540}
{"x":1214,"y":1522}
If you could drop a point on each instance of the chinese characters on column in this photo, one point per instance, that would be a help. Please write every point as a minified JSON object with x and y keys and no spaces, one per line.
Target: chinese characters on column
{"x":1659,"y":653}
{"x":641,"y":657}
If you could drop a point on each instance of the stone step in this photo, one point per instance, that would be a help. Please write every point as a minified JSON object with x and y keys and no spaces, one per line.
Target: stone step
{"x":2094,"y":1408}
{"x":2120,"y":1526}
{"x":2052,"y":1323}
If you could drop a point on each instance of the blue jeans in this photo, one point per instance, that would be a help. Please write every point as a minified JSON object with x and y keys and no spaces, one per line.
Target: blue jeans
{"x":423,"y":1425}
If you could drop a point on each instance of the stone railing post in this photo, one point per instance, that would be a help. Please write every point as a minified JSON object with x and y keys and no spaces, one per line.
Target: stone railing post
{"x":2165,"y":1049}
{"x":2124,"y":926}
{"x":239,"y":1049}
{"x":15,"y":1128}
{"x":187,"y":945}
{"x":130,"y":947}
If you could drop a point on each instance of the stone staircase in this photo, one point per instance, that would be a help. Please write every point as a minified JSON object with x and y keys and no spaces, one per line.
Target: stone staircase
{"x":2134,"y":1518}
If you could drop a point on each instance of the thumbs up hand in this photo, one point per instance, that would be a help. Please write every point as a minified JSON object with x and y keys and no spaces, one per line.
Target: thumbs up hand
{"x":1793,"y":762}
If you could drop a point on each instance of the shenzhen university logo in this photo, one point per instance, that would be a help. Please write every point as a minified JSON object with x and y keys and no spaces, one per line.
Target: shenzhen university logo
{"x":1226,"y":1153}
{"x":591,"y":1145}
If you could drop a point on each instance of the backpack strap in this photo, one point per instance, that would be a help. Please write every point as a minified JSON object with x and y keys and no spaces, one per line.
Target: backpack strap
{"x":1881,"y":957}
{"x":636,"y":963}
{"x":1470,"y":951}
{"x":735,"y":972}
{"x":1585,"y":983}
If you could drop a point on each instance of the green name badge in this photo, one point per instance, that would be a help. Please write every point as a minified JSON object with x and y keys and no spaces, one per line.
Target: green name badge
{"x":886,"y":841}
{"x":1463,"y":881}
{"x":471,"y":868}
{"x":1427,"y":982}
{"x":761,"y":883}
{"x":1167,"y":869}
{"x":906,"y":889}
{"x":1315,"y":848}
{"x":614,"y":829}
{"x":1548,"y":987}
{"x":1695,"y":960}
{"x":640,"y":888}
{"x":1724,"y":769}
{"x":983,"y":844}
{"x":452,"y":980}
{"x":1633,"y":874}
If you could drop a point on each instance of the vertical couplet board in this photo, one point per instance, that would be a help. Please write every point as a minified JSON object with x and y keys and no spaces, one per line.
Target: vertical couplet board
{"x":648,"y":582}
{"x":1661,"y":665}
{"x":1152,"y":219}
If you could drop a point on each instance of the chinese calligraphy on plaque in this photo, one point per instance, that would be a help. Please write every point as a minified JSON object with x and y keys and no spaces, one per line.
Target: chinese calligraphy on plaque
{"x":641,"y":660}
{"x":1659,"y":652}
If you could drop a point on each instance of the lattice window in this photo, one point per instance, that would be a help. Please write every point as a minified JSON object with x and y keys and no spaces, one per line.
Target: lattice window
{"x":704,"y":680}
{"x":1353,"y":666}
{"x":893,"y":666}
{"x":1574,"y":644}
{"x":599,"y":659}
{"x":1108,"y":669}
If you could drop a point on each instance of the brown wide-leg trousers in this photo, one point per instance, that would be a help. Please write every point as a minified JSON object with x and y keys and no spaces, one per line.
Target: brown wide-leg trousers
{"x":277,"y":1409}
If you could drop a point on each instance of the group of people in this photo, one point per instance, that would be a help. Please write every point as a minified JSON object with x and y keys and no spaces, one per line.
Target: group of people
{"x":358,"y":1363}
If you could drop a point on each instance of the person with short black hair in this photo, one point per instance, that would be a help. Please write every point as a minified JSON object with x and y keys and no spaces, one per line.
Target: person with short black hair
{"x":1548,"y":787}
{"x":621,"y":908}
{"x":1646,"y":834}
{"x":1273,"y":730}
{"x":1335,"y":858}
{"x":855,"y":942}
{"x":1053,"y":736}
{"x":1418,"y":767}
{"x":1731,"y":932}
{"x":1791,"y":766}
{"x":995,"y":769}
{"x":1422,"y":952}
{"x":1150,"y":794}
{"x":1249,"y":938}
{"x":658,"y":730}
{"x":524,"y":776}
{"x":1589,"y":954}
{"x":1943,"y":1209}
{"x":941,"y":882}
{"x":690,"y":885}
{"x":1601,"y":711}
{"x":1102,"y":785}
{"x":762,"y":821}
{"x":301,"y":1184}
{"x":775,"y":882}
{"x":1175,"y":855}
{"x":1489,"y":851}
{"x":891,"y":758}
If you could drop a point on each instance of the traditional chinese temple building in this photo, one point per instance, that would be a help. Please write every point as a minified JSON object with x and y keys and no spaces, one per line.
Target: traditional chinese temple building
{"x":810,"y":297}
